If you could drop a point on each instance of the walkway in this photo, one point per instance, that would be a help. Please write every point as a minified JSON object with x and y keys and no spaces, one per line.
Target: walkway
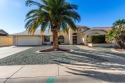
{"x":7,"y":51}
{"x":72,"y":73}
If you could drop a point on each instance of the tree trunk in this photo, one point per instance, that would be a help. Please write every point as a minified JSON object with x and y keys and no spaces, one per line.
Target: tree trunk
{"x":121,"y":45}
{"x":55,"y":39}
{"x":122,"y":42}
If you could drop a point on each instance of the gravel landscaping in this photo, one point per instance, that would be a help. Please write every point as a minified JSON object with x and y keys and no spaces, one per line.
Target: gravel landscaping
{"x":30,"y":57}
{"x":109,"y":51}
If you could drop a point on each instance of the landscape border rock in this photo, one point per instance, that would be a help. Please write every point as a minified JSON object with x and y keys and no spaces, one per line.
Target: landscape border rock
{"x":54,"y":51}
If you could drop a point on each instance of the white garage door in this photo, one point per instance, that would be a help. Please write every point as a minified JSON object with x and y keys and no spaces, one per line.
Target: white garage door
{"x":29,"y":41}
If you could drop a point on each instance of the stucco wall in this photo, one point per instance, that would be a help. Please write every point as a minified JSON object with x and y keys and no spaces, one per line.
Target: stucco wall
{"x":66,"y":37}
{"x":6,"y":40}
{"x":80,"y":38}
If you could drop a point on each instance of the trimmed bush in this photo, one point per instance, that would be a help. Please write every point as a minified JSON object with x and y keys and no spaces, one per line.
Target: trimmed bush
{"x":97,"y":39}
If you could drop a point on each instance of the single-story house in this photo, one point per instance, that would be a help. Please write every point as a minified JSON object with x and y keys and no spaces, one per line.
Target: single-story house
{"x":5,"y":39}
{"x":72,"y":37}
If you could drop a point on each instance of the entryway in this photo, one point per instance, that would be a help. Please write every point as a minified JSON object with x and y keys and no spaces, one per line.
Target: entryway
{"x":74,"y":40}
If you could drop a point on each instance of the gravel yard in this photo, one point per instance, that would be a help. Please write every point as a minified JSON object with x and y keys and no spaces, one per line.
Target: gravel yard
{"x":109,"y":51}
{"x":30,"y":57}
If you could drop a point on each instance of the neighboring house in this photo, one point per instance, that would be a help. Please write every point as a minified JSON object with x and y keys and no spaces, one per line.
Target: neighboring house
{"x":72,"y":37}
{"x":3,"y":33}
{"x":5,"y":39}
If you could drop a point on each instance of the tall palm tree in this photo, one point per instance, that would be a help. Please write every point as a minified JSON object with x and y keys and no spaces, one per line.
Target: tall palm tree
{"x":54,"y":15}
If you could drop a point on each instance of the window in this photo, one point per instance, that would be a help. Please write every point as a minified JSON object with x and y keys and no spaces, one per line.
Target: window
{"x":61,"y":39}
{"x":46,"y":38}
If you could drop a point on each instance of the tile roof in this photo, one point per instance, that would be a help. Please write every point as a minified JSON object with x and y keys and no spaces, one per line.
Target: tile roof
{"x":103,"y":28}
{"x":95,"y":29}
{"x":37,"y":32}
{"x":3,"y":33}
{"x":86,"y":29}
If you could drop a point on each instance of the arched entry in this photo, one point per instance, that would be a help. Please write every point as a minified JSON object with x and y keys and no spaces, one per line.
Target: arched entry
{"x":61,"y":39}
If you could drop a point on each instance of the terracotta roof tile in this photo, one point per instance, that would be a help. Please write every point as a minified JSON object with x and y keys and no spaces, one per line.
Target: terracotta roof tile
{"x":104,"y":28}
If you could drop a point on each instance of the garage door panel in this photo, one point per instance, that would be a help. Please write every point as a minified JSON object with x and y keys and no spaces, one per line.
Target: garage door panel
{"x":29,"y":41}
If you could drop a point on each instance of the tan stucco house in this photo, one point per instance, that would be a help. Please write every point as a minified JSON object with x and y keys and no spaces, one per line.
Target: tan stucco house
{"x":72,"y":37}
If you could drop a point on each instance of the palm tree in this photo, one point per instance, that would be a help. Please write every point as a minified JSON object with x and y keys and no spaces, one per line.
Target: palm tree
{"x":54,"y":15}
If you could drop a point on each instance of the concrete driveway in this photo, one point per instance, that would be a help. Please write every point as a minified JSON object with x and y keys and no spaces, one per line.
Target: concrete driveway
{"x":10,"y":50}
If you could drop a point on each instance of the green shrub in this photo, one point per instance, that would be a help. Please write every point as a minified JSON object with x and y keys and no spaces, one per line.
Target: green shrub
{"x":97,"y":39}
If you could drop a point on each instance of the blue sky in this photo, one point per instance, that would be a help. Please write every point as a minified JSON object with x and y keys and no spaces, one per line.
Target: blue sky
{"x":94,"y":13}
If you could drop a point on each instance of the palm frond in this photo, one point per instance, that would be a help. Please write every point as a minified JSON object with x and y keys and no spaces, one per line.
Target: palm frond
{"x":51,"y":13}
{"x":31,"y":2}
{"x":70,"y":22}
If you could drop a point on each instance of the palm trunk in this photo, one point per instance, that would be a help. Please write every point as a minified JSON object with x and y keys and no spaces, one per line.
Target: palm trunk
{"x":55,"y":39}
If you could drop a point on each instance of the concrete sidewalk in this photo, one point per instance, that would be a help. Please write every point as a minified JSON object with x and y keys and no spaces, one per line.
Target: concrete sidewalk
{"x":7,"y":51}
{"x":72,"y":73}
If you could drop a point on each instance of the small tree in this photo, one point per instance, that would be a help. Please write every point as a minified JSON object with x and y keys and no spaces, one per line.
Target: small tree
{"x":117,"y":34}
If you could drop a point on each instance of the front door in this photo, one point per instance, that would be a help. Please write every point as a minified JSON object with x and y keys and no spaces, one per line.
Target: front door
{"x":74,"y":39}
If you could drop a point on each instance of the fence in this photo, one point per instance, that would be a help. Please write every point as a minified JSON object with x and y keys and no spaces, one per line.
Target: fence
{"x":6,"y":40}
